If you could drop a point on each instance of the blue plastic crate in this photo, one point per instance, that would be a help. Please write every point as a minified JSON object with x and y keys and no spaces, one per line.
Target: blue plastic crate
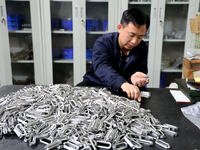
{"x":67,"y":53}
{"x":163,"y":80}
{"x":14,"y":21}
{"x":14,"y":18}
{"x":14,"y":27}
{"x":88,"y":54}
{"x":105,"y":25}
{"x":67,"y":24}
{"x":92,"y":24}
{"x":56,"y":53}
{"x":55,"y":24}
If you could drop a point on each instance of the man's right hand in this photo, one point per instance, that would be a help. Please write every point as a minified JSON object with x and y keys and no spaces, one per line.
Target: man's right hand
{"x":131,"y":90}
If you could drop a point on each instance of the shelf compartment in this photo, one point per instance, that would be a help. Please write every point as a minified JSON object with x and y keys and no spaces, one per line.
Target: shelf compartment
{"x":23,"y":73}
{"x":63,"y":73}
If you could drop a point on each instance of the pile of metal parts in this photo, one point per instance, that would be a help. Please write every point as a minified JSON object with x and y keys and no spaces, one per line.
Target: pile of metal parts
{"x":26,"y":54}
{"x":62,"y":116}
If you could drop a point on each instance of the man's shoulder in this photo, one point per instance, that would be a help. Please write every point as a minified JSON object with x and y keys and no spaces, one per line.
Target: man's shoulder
{"x":109,"y":36}
{"x":142,"y":45}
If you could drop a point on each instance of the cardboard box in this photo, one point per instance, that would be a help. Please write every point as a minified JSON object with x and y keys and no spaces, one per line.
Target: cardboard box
{"x":195,"y":24}
{"x":189,"y":66}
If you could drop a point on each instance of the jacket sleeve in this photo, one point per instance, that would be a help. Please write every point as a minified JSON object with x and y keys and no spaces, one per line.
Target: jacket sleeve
{"x":102,"y":65}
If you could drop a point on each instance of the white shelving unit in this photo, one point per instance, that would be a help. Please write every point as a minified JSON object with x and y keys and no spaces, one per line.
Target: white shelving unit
{"x":22,"y":39}
{"x":5,"y":61}
{"x":161,"y":13}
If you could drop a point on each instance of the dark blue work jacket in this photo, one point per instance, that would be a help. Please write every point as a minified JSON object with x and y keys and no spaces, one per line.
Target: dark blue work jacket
{"x":106,"y":61}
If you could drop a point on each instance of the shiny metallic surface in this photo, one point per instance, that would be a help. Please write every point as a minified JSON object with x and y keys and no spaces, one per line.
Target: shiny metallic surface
{"x":62,"y":116}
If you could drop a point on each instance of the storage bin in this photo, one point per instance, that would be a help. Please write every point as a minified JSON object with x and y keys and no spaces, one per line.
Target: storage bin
{"x":67,"y":53}
{"x":88,"y":54}
{"x":14,"y":21}
{"x":55,"y":24}
{"x":56,"y":53}
{"x":163,"y":80}
{"x":189,"y":66}
{"x":105,"y":25}
{"x":67,"y":24}
{"x":92,"y":24}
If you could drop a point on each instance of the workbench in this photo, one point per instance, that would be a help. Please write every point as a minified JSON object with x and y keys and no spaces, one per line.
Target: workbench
{"x":162,"y":106}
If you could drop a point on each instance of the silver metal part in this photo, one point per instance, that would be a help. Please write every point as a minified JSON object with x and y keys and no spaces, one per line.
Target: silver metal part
{"x":145,"y":94}
{"x":163,"y":144}
{"x":103,"y":145}
{"x":62,"y":116}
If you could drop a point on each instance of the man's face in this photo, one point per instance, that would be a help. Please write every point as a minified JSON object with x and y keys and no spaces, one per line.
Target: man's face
{"x":130,"y":35}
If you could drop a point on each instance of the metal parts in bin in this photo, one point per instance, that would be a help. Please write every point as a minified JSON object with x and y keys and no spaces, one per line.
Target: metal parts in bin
{"x":62,"y":116}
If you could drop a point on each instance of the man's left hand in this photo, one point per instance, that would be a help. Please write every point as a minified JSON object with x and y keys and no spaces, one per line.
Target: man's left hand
{"x":139,"y":79}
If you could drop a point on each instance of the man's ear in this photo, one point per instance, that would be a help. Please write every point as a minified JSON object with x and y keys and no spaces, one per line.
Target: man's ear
{"x":119,"y":27}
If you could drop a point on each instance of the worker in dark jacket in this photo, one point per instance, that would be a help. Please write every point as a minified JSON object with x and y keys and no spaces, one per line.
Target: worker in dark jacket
{"x":119,"y":60}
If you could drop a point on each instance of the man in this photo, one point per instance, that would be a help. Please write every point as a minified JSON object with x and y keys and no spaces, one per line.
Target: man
{"x":119,"y":60}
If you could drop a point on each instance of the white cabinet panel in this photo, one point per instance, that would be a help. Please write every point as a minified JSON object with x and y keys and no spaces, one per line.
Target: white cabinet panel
{"x":23,"y":45}
{"x":5,"y":67}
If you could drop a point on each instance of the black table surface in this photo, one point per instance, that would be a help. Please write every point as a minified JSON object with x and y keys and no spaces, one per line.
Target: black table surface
{"x":162,"y":106}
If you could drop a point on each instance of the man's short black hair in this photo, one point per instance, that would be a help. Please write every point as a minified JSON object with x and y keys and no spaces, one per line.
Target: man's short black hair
{"x":135,"y":16}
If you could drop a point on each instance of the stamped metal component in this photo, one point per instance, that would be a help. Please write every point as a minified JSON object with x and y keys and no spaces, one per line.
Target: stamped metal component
{"x":46,"y":141}
{"x":19,"y":130}
{"x":103,"y":144}
{"x":145,"y":142}
{"x":52,"y":145}
{"x":171,"y":127}
{"x":163,"y":144}
{"x":145,"y":94}
{"x":72,"y":118}
{"x":121,"y":146}
{"x":128,"y":141}
{"x":1,"y":132}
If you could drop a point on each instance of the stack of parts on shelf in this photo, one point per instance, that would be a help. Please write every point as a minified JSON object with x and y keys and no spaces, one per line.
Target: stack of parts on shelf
{"x":88,"y":54}
{"x":26,"y":54}
{"x":62,"y":116}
